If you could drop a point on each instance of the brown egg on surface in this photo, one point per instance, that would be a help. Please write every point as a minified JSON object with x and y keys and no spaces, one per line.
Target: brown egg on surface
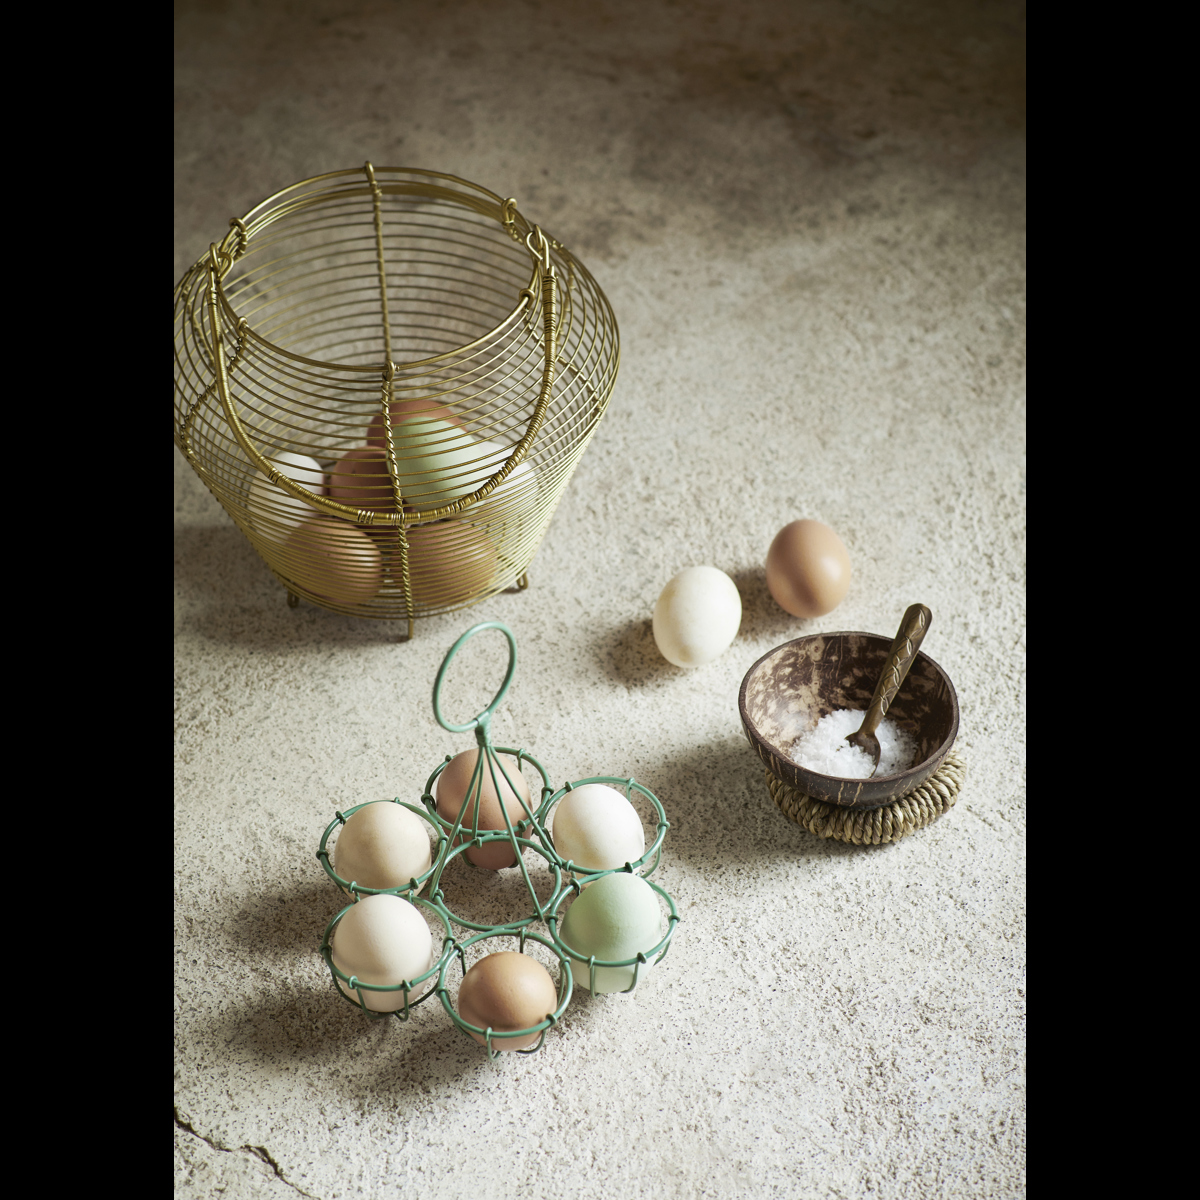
{"x":452,"y":785}
{"x":417,"y":410}
{"x":808,"y":569}
{"x":507,"y":991}
{"x":333,"y":560}
{"x":360,"y":479}
{"x":448,"y":562}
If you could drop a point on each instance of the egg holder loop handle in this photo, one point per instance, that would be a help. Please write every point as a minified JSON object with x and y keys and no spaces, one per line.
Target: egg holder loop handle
{"x":639,"y":960}
{"x":407,"y":986}
{"x":565,"y":989}
{"x":356,"y":889}
{"x":629,"y":785}
{"x":481,"y":722}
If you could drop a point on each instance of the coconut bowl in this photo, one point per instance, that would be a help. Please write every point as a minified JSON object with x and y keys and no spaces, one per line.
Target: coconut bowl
{"x":792,"y":687}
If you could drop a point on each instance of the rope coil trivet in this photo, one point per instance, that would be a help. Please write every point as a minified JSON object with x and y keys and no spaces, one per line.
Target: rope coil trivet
{"x":873,"y":826}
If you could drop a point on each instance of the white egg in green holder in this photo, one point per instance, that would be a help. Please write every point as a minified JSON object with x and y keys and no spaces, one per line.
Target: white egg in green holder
{"x":595,"y":827}
{"x":613,"y":932}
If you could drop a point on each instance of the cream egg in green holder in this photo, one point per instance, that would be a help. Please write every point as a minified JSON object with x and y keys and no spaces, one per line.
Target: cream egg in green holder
{"x":614,"y":919}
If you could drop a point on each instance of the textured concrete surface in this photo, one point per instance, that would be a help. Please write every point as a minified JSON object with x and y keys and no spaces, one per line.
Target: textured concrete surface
{"x":809,"y":219}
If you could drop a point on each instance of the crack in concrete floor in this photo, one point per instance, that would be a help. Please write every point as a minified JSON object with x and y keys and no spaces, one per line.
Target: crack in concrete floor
{"x":261,"y":1153}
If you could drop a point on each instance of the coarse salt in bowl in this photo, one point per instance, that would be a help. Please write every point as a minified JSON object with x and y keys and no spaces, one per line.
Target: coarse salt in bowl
{"x":825,"y":747}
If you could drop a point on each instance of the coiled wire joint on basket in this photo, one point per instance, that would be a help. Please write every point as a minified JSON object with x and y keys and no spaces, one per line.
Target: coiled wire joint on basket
{"x":529,"y":833}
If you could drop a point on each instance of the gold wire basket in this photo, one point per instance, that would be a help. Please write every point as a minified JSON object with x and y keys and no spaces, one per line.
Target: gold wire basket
{"x":387,"y":377}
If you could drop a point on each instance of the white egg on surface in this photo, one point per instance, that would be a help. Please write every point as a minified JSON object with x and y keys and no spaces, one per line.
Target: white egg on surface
{"x":273,"y":511}
{"x":616,"y":918}
{"x":597,"y":828}
{"x":697,"y":616}
{"x":383,"y":940}
{"x":382,"y":845}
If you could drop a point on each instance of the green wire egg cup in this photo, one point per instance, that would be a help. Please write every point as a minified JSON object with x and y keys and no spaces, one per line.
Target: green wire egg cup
{"x":407,"y":986}
{"x":356,"y":889}
{"x":529,"y":833}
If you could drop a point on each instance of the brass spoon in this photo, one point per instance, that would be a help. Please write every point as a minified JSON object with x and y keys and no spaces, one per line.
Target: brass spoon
{"x":913,"y":627}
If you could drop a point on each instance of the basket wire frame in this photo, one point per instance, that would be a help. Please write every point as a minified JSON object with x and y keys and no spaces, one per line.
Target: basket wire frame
{"x":420,"y":325}
{"x":455,"y":837}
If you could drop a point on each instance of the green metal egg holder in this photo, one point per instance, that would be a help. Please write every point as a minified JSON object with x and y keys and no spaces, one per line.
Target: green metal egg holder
{"x":534,"y":820}
{"x":407,"y":986}
{"x":591,"y":963}
{"x":565,"y":988}
{"x":356,"y":889}
{"x":613,"y":781}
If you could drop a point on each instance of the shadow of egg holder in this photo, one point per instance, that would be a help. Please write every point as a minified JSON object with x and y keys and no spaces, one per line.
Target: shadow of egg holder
{"x":457,"y":837}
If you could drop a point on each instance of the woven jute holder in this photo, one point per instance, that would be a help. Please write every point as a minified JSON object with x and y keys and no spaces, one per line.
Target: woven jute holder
{"x":873,"y":826}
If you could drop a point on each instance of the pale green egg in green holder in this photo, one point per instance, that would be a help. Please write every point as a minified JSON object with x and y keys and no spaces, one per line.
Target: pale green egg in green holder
{"x":612,"y":931}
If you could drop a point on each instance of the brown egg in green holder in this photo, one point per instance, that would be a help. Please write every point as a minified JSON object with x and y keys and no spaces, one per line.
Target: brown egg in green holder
{"x":452,"y":786}
{"x":507,"y":991}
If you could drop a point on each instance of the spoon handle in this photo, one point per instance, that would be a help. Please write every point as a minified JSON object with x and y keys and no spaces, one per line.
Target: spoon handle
{"x":913,"y":627}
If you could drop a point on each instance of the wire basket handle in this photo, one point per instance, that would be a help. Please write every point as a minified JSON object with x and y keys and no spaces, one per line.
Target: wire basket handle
{"x":539,"y":247}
